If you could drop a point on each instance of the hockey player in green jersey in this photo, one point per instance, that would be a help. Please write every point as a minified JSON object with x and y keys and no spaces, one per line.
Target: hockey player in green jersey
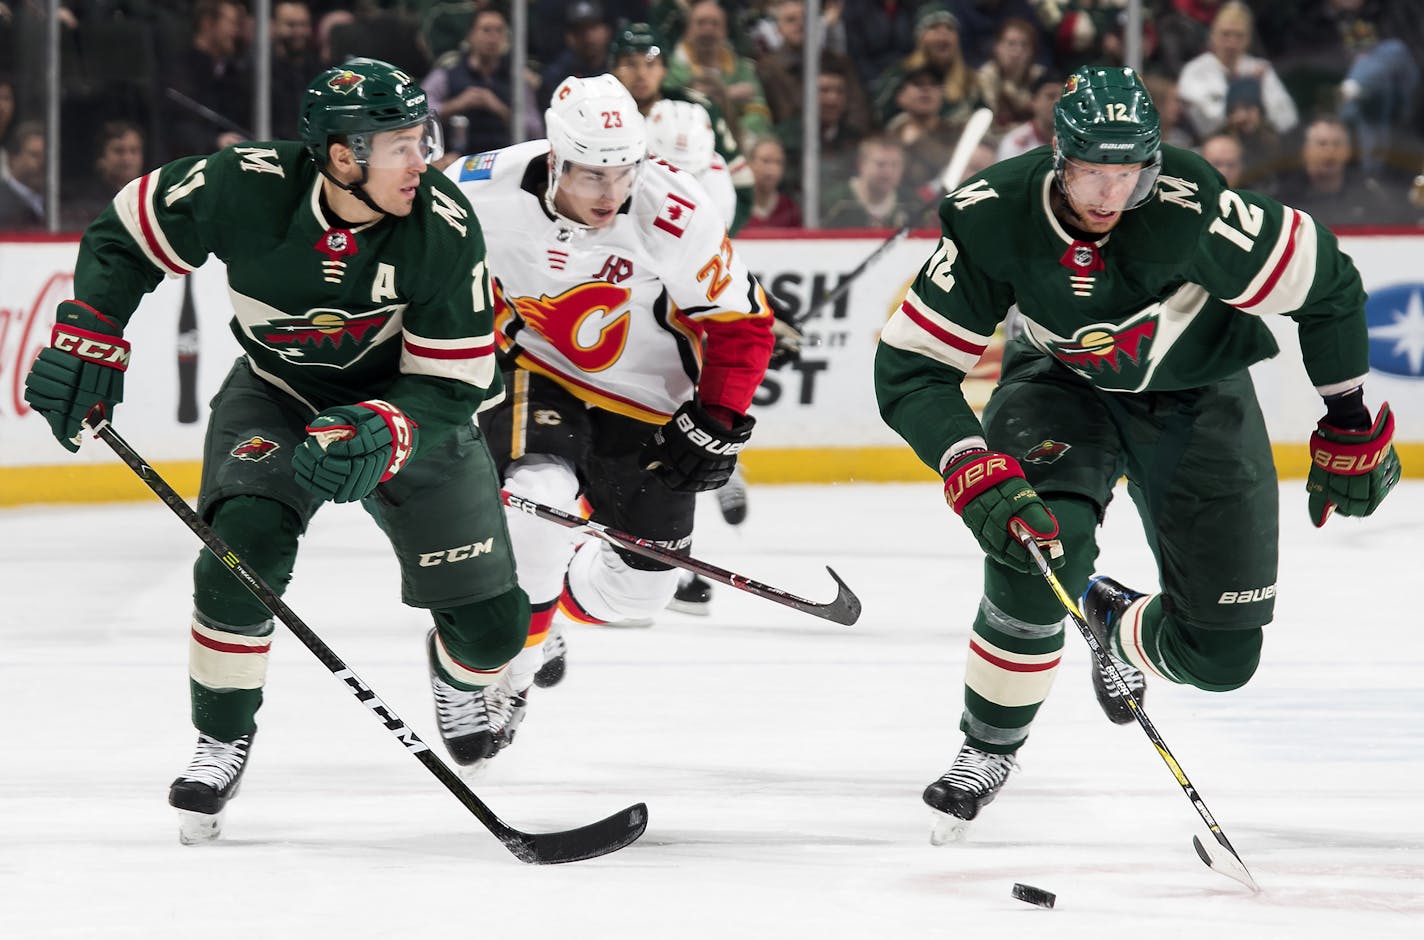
{"x":1142,"y":280}
{"x":363,"y":309}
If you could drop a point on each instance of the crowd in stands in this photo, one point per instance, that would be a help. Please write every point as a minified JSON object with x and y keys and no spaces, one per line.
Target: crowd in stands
{"x":1316,"y":102}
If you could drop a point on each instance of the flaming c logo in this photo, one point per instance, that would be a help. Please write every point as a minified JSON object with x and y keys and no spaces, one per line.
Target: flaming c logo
{"x":588,"y":324}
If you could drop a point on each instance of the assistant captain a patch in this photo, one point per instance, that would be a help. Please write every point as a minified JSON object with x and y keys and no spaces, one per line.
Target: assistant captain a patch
{"x":674,"y":215}
{"x":478,"y":167}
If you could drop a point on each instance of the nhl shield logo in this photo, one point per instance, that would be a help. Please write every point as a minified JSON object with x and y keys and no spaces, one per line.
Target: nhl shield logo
{"x":254,"y":449}
{"x":1082,"y":256}
{"x":1047,"y":452}
{"x":345,"y":82}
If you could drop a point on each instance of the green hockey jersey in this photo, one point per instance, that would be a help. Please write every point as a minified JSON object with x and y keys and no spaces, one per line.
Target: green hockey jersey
{"x":1171,"y":298}
{"x":397,"y":309}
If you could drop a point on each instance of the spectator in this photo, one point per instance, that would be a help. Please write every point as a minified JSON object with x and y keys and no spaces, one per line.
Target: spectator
{"x":1265,"y":156}
{"x":585,"y":53}
{"x":921,"y":129}
{"x":1378,"y":92}
{"x":22,"y":182}
{"x":1182,"y":32}
{"x":7,"y":113}
{"x":838,"y":136}
{"x":1163,"y":89}
{"x":1007,"y":80}
{"x":1329,"y":189}
{"x":1037,"y":130}
{"x":879,"y":33}
{"x":770,"y":31}
{"x":210,"y":71}
{"x":1093,"y":31}
{"x":780,"y":70}
{"x":871,"y":198}
{"x":771,"y":207}
{"x":118,"y":160}
{"x":294,"y":62}
{"x":1223,"y":151}
{"x":337,"y":35}
{"x":936,"y":45}
{"x":1205,"y":79}
{"x":982,"y":21}
{"x":706,"y":61}
{"x":472,"y":94}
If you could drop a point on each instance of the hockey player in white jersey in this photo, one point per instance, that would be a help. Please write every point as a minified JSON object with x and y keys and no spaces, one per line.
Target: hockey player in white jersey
{"x":632,"y":338}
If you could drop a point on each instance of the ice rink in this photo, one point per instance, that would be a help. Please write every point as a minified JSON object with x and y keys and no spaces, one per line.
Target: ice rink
{"x":781,"y":757}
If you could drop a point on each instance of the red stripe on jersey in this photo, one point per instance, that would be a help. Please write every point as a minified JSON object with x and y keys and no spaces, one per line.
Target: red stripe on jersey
{"x":1280,"y":267}
{"x":541,"y":617}
{"x":222,"y":647}
{"x":145,"y":222}
{"x":574,"y":610}
{"x":735,"y":359}
{"x":938,"y":332}
{"x":461,"y":352}
{"x":1010,"y":665}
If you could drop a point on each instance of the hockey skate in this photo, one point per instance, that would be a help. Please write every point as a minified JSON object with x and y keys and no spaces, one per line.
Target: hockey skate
{"x":471,"y":722}
{"x":732,"y":498}
{"x":693,"y":596}
{"x":1102,"y":604}
{"x":202,"y":791}
{"x":556,"y":654}
{"x":966,"y":788}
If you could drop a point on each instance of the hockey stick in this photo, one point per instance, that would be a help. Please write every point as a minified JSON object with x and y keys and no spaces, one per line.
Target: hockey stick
{"x":844,"y":609}
{"x":1228,"y":863}
{"x":949,"y":178}
{"x":208,"y":114}
{"x":538,"y":848}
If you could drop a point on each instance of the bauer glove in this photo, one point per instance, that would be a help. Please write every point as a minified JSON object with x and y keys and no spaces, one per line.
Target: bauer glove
{"x":352,"y":448}
{"x":1352,"y":469}
{"x":989,"y":492}
{"x":694,"y":451}
{"x":82,"y":370}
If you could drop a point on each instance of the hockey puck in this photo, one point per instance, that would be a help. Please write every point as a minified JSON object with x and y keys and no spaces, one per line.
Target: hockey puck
{"x":1034,"y":895}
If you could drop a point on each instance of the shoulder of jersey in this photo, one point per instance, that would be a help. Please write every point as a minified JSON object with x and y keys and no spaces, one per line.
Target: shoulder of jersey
{"x":666,"y":202}
{"x":1008,"y":185}
{"x":495,"y":167}
{"x":267,"y":159}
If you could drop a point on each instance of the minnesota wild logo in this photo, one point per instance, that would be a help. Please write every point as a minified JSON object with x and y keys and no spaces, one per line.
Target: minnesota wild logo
{"x":254,"y":449}
{"x":1099,"y":347}
{"x":323,"y":337}
{"x":345,"y":82}
{"x":1047,"y":452}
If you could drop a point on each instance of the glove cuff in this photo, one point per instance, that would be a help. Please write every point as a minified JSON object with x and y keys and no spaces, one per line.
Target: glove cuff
{"x":975,"y":471}
{"x":1352,"y":453}
{"x":102,"y":349}
{"x":402,"y":434}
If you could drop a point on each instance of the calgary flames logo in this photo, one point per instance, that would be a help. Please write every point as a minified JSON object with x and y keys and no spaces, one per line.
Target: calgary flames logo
{"x":345,"y":82}
{"x":588,"y":324}
{"x":323,"y":337}
{"x":1098,"y":347}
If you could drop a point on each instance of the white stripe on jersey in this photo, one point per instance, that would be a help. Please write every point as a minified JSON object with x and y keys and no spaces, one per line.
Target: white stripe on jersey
{"x":916,"y":328}
{"x":1285,"y":279}
{"x":135,"y":207}
{"x":468,"y":359}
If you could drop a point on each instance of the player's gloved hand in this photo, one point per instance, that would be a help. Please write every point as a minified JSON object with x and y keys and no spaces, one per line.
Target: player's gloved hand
{"x":1353,"y":468}
{"x":786,"y":344}
{"x":82,"y":369}
{"x":352,"y":448}
{"x":695,"y":451}
{"x":989,"y":492}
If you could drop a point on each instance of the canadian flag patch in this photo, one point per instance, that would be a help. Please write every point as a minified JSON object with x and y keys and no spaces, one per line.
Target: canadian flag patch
{"x":674,"y":215}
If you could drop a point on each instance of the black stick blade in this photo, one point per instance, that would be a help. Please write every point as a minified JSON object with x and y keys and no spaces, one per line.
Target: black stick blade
{"x":845,"y":608}
{"x":575,"y":845}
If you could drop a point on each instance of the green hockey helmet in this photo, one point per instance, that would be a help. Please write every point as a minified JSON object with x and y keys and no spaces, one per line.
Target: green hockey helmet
{"x":633,"y":38}
{"x":1105,"y":115}
{"x":358,"y":99}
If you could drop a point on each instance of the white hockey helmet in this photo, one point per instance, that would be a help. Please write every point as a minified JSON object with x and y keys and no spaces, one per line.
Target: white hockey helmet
{"x":592,"y":122}
{"x":680,"y":132}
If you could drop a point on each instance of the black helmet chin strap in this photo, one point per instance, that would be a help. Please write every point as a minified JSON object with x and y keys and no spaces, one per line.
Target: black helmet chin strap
{"x":356,"y":189}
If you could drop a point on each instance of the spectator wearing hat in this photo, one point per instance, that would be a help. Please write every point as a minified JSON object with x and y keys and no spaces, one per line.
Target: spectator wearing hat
{"x":922,"y":129}
{"x":1037,"y":130}
{"x":936,"y":45}
{"x":706,"y":61}
{"x":586,"y":39}
{"x":1264,"y":152}
{"x":1205,"y":80}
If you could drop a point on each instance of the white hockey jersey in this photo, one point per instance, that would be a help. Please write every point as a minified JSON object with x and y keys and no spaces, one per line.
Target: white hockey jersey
{"x":618,"y":315}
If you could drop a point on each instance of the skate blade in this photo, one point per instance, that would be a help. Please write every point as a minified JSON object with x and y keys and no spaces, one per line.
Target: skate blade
{"x":636,"y":623}
{"x":198,"y":828}
{"x":689,"y":607}
{"x":946,"y":829}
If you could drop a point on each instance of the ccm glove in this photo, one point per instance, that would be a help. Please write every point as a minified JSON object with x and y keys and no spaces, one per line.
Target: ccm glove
{"x":352,"y":448}
{"x":1352,"y":469}
{"x":989,"y":492}
{"x":694,"y":451}
{"x":80,"y":371}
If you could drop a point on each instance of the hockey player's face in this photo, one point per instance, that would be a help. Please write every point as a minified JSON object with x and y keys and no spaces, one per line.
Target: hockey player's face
{"x":1097,"y":193}
{"x":592,"y":194}
{"x":642,"y":74}
{"x":397,"y":159}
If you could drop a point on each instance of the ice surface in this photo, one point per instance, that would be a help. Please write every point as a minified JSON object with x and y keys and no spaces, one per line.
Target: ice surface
{"x":781,"y":757}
